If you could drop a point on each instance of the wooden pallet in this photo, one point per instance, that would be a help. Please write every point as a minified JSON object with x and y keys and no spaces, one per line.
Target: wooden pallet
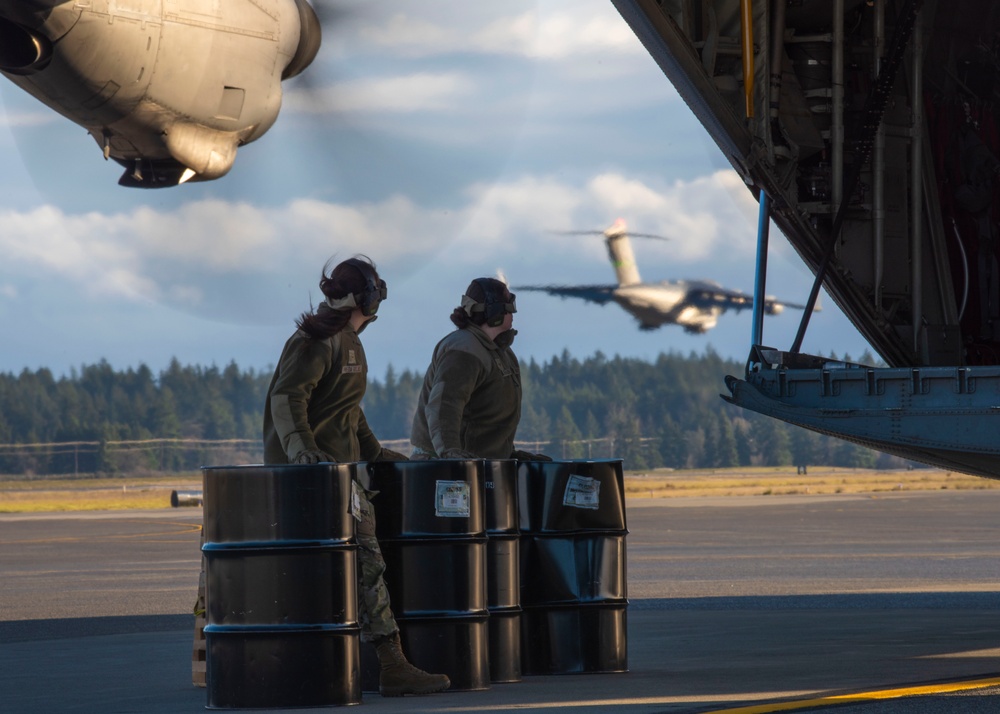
{"x":198,"y":654}
{"x":198,"y":664}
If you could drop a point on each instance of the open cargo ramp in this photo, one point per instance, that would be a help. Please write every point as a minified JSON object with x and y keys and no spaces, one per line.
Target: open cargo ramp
{"x":948,"y":417}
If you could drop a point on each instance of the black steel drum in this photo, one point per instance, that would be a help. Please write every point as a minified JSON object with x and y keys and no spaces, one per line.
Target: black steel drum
{"x":281,"y":587}
{"x":430,"y":522}
{"x":573,"y":566}
{"x":503,"y":576}
{"x":503,"y":594}
{"x":567,"y":639}
{"x":500,"y":487}
{"x":565,"y":496}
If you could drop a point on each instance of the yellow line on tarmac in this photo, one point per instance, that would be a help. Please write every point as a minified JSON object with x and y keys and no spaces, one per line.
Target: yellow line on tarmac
{"x":835,"y":699}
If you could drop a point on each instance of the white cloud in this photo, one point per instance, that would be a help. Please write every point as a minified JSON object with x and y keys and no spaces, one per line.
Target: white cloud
{"x":408,"y":35}
{"x":219,"y":235}
{"x":565,"y":35}
{"x":403,"y":94}
{"x":18,"y":119}
{"x":702,"y":217}
{"x":461,"y":74}
{"x":547,"y":32}
{"x":526,"y":207}
{"x":186,"y":255}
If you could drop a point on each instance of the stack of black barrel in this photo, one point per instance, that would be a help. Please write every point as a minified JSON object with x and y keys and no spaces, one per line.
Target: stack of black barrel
{"x":530,"y":579}
{"x":281,"y":587}
{"x":431,"y":527}
{"x":494,"y":569}
{"x":573,"y":585}
{"x":503,"y":570}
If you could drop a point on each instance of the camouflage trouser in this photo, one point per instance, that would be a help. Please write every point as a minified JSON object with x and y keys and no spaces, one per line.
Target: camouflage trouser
{"x":374,"y":612}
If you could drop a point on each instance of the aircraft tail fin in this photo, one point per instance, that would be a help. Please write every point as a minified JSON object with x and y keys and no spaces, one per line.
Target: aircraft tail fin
{"x":621,"y":254}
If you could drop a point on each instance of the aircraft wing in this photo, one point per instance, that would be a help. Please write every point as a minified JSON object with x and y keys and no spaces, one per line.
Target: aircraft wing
{"x":601,"y":294}
{"x":707,"y":295}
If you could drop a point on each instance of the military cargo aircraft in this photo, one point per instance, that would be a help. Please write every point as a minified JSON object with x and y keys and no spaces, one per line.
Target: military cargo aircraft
{"x":695,"y":305}
{"x":868,"y":131}
{"x":170,"y":89}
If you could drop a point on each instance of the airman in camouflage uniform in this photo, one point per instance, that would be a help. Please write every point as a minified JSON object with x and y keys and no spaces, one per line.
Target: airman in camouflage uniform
{"x":470,"y":402}
{"x":313,"y":414}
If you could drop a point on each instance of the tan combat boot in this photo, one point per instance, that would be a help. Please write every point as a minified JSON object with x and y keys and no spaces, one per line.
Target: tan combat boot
{"x":398,"y":677}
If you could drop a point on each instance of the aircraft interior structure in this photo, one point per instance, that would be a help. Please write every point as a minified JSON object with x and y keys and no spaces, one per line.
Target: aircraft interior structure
{"x":868,"y":130}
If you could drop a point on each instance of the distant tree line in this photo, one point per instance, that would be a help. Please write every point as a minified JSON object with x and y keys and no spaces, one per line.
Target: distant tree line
{"x":651,"y":414}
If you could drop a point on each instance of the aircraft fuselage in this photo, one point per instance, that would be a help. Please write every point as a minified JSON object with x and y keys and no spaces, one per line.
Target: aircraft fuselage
{"x":657,"y":304}
{"x":184,"y":81}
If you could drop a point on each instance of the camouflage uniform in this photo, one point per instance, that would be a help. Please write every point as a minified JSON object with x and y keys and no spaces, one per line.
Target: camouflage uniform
{"x":314,"y":400}
{"x":471,"y":397}
{"x":314,"y":403}
{"x":374,"y":612}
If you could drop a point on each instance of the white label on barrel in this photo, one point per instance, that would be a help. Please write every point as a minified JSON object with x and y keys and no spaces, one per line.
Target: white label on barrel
{"x":582,"y":492}
{"x":452,"y":499}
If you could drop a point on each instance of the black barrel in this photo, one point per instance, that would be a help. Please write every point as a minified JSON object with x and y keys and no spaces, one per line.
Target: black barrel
{"x":430,"y":524}
{"x":281,"y":587}
{"x":503,"y":587}
{"x":573,"y":566}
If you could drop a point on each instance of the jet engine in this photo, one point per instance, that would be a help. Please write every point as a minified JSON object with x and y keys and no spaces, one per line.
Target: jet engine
{"x":21,"y":50}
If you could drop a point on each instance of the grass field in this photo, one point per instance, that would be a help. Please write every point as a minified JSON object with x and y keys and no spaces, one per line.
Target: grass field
{"x":44,"y":495}
{"x":776,"y":481}
{"x":54,"y":495}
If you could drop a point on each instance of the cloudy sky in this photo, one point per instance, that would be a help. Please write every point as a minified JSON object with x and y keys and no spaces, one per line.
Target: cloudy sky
{"x":445,"y":140}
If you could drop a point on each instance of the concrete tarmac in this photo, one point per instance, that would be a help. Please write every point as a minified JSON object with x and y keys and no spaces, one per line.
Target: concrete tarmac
{"x":872,"y":603}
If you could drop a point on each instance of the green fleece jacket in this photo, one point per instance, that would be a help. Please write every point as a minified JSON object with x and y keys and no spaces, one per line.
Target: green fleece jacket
{"x":471,"y":397}
{"x":314,"y":400}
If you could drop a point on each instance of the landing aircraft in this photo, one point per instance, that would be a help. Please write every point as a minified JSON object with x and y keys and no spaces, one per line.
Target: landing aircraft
{"x":695,"y":305}
{"x":167,"y":88}
{"x":867,"y":130}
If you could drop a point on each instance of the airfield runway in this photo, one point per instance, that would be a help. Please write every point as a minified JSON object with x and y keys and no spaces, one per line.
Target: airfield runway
{"x":737,"y":605}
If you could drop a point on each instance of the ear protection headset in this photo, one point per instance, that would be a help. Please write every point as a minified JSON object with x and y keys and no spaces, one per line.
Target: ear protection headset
{"x":494,"y":305}
{"x":370,"y":296}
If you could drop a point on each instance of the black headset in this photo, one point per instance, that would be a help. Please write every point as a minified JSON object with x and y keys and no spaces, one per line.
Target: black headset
{"x":495,"y":305}
{"x":370,"y":296}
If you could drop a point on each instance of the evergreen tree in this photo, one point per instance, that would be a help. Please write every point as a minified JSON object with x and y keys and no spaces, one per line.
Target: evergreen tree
{"x":567,"y":437}
{"x":803,"y":445}
{"x":672,"y":446}
{"x":535,"y":427}
{"x":851,"y":455}
{"x":775,"y":447}
{"x":728,"y":454}
{"x":663,"y":413}
{"x":744,"y":442}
